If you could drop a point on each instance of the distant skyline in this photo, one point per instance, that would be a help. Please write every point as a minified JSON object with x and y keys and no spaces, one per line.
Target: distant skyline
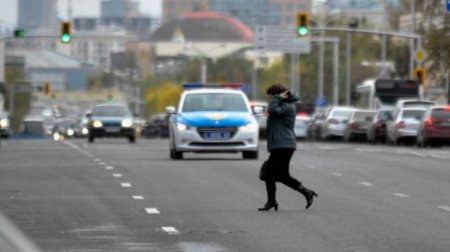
{"x":81,"y":8}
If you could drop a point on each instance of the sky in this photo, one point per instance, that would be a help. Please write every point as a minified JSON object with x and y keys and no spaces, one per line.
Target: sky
{"x":81,"y":8}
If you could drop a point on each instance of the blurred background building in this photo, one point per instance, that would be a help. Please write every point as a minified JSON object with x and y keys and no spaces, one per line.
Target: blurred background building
{"x":251,"y":12}
{"x":37,"y":14}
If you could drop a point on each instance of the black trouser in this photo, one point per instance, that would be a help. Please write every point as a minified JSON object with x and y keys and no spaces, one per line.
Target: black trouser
{"x":278,"y":171}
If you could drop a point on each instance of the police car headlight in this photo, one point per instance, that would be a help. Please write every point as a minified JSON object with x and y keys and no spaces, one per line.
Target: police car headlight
{"x":4,"y":123}
{"x":253,"y":126}
{"x":182,"y":127}
{"x":97,"y":124}
{"x":126,"y":123}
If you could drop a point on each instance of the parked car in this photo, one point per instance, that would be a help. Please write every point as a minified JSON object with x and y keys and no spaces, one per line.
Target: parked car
{"x":111,"y":120}
{"x":376,"y":131}
{"x":357,"y":124}
{"x":411,"y":103}
{"x":335,"y":122}
{"x":404,"y":126}
{"x":434,"y":126}
{"x":314,"y":126}
{"x":301,"y":126}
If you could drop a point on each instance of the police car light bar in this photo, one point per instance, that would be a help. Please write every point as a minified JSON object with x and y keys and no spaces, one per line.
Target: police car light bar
{"x":194,"y":85}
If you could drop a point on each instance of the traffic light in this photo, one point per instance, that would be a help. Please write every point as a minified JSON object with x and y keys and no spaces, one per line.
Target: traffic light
{"x":66,"y":32}
{"x":420,"y":75}
{"x":18,"y":33}
{"x":47,"y":88}
{"x":303,"y":25}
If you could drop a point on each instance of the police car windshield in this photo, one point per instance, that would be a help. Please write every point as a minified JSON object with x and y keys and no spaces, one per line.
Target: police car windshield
{"x":214,"y":102}
{"x":115,"y":111}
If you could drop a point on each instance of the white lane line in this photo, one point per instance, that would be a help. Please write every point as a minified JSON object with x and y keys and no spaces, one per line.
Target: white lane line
{"x":101,"y":163}
{"x":401,"y":195}
{"x":170,"y":230}
{"x":97,"y":160}
{"x":337,"y":174}
{"x":437,"y":156}
{"x":117,"y":175}
{"x":71,"y":145}
{"x":445,"y":208}
{"x":417,"y":153}
{"x":109,"y":167}
{"x":137,"y":197}
{"x":125,"y":184}
{"x":365,"y":183}
{"x":152,"y":211}
{"x":311,"y":166}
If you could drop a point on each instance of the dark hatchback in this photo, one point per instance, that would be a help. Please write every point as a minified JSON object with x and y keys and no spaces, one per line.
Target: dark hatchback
{"x":376,"y":131}
{"x":111,"y":120}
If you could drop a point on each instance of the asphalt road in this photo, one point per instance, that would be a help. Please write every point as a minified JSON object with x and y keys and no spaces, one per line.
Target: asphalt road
{"x":115,"y":196}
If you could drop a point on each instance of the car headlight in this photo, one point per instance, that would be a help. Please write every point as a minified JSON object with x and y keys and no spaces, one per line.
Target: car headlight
{"x":97,"y":124}
{"x":4,"y":123}
{"x":84,"y":131}
{"x":253,"y":126}
{"x":182,"y":126}
{"x":70,"y":132}
{"x":126,"y":123}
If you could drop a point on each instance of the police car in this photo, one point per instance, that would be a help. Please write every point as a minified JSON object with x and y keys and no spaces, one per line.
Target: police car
{"x":213,"y":120}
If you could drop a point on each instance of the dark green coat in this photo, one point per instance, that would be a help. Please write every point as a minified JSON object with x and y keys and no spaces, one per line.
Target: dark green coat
{"x":281,"y":122}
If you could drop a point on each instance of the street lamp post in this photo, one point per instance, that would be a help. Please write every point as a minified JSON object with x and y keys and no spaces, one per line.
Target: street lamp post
{"x":204,"y":60}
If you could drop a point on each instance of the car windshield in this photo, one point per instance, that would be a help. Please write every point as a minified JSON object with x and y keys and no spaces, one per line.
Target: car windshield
{"x":342,"y":113}
{"x":214,"y":102}
{"x":414,"y":114}
{"x":116,"y":111}
{"x":363,"y":115}
{"x":384,"y":115}
{"x":441,"y":113}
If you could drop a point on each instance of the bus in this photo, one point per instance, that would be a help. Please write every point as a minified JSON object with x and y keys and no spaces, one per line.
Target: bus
{"x":383,"y":93}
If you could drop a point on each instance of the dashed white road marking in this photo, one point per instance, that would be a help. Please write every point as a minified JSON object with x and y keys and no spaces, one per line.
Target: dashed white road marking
{"x":125,"y":184}
{"x":365,"y":183}
{"x":101,"y":163}
{"x":109,"y":167}
{"x":445,"y":208}
{"x":138,"y":197}
{"x":152,"y":211}
{"x":310,"y":166}
{"x":417,"y":153}
{"x":170,"y":230}
{"x":337,"y":174}
{"x":97,"y":160}
{"x":401,"y":195}
{"x":117,"y":175}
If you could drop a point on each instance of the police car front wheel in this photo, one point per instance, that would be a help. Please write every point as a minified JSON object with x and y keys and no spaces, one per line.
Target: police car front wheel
{"x":250,"y":154}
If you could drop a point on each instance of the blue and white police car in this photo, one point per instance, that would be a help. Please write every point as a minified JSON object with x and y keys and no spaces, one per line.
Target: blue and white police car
{"x":213,"y":120}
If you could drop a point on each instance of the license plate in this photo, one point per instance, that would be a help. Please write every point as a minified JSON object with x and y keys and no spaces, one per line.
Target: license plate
{"x":217,"y":135}
{"x":112,"y":130}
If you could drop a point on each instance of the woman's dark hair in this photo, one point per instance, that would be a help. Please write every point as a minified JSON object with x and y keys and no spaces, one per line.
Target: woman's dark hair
{"x":276,"y":89}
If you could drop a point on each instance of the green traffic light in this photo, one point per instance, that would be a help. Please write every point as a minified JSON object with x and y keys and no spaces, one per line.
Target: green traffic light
{"x":302,"y":30}
{"x":19,"y":33}
{"x":65,"y":38}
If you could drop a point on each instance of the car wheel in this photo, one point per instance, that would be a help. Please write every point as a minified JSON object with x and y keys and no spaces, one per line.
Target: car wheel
{"x":176,"y":154}
{"x":91,"y":139}
{"x":132,"y":139}
{"x":250,"y":154}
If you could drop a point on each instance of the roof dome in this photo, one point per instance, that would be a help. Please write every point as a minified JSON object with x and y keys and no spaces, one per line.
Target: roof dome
{"x":204,"y":26}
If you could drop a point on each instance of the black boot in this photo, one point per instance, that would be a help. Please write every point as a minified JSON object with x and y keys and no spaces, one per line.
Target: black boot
{"x":268,"y":206}
{"x":309,"y":195}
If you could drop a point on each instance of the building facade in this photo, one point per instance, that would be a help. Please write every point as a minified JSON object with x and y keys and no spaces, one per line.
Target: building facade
{"x":35,"y":14}
{"x":119,"y":8}
{"x":251,"y":12}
